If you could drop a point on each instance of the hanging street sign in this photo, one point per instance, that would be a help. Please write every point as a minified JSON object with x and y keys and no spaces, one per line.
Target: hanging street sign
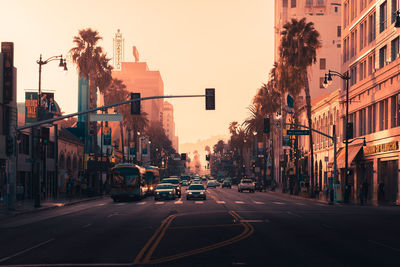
{"x":298,"y":132}
{"x":105,"y":117}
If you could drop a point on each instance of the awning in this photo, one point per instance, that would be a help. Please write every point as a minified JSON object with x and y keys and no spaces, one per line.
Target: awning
{"x":341,"y":156}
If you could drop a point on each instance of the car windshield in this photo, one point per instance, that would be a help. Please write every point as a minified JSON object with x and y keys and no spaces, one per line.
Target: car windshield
{"x":196,"y":187}
{"x":170,"y":181}
{"x":211,"y":182}
{"x":164,"y":186}
{"x":246,"y":181}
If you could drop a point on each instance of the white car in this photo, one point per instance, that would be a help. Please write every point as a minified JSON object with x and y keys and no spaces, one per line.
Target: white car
{"x":246,"y":184}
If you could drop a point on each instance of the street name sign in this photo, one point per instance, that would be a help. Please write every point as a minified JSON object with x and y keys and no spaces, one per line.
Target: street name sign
{"x":105,"y":117}
{"x":298,"y":132}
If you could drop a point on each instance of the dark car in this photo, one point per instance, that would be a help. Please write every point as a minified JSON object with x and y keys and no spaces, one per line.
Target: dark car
{"x":175,"y":182}
{"x":164,"y":191}
{"x":196,"y":191}
{"x":227,"y":183}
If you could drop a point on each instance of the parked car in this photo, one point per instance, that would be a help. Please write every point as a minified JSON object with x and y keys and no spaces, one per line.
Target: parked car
{"x":246,"y":185}
{"x":196,"y":191}
{"x":175,"y":182}
{"x":227,"y":184}
{"x":211,"y":184}
{"x":164,"y":191}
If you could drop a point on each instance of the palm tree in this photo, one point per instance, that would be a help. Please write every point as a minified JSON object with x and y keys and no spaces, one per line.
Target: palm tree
{"x":298,"y":47}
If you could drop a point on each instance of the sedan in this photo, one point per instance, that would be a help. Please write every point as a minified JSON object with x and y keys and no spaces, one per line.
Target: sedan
{"x":164,"y":191}
{"x":211,"y":184}
{"x":196,"y":191}
{"x":175,"y":182}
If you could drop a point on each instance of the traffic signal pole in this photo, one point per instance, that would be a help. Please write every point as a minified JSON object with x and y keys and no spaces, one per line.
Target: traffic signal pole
{"x":333,"y":138}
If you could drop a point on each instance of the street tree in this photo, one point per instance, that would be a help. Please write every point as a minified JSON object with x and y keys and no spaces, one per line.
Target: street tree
{"x":298,"y":48}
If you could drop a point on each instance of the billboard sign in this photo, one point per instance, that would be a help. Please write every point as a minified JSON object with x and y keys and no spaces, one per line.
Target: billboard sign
{"x":31,"y":107}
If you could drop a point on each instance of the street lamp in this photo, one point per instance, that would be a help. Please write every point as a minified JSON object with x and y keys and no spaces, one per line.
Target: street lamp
{"x":327,"y":81}
{"x":62,"y":66}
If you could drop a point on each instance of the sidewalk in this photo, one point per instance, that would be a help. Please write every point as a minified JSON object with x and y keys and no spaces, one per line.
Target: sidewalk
{"x":27,"y":206}
{"x":278,"y":191}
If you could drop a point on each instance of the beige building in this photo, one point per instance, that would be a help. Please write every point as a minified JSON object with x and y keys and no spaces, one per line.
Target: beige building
{"x":139,"y":79}
{"x":169,"y":124}
{"x":371,"y":55}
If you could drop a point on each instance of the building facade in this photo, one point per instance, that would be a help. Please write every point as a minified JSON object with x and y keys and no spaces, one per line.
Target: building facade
{"x":169,"y":124}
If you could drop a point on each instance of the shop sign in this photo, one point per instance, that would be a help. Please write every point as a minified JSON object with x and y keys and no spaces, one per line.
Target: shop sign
{"x":386,"y":147}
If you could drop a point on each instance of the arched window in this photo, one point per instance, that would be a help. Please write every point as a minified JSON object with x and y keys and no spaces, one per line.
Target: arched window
{"x":61,"y":162}
{"x":75,"y":163}
{"x":69,"y":163}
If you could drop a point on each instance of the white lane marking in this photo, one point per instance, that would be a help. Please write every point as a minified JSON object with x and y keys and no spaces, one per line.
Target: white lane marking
{"x":86,"y":225}
{"x":141,"y":203}
{"x":319,"y":204}
{"x":220,"y":202}
{"x":239,"y":202}
{"x":178,"y":202}
{"x":160,"y":203}
{"x":278,"y":203}
{"x":293,"y":214}
{"x":258,"y":203}
{"x":383,"y":245}
{"x":199,"y":202}
{"x":301,"y":204}
{"x":26,"y":250}
{"x":102,"y":204}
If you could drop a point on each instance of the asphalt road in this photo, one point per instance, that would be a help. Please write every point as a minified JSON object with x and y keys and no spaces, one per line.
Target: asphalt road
{"x":228,"y":229}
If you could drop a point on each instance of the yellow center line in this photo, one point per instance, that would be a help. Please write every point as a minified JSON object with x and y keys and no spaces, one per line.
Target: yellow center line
{"x":143,"y":250}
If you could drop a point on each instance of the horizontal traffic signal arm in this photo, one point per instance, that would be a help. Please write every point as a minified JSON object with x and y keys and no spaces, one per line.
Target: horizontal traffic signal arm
{"x":101,"y":108}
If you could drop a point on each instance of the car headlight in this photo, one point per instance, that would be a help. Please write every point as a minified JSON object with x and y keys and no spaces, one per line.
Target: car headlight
{"x":170,"y":192}
{"x":190,"y":193}
{"x":201,"y":193}
{"x":157,"y":192}
{"x":151,"y":188}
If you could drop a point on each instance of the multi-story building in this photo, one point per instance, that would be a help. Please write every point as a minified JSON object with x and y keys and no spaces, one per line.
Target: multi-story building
{"x":326,"y":16}
{"x":139,"y":79}
{"x":169,"y":124}
{"x":371,"y":57}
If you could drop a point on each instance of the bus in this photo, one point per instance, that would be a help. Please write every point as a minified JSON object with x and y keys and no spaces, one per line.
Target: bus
{"x":152,"y":178}
{"x":127,"y":182}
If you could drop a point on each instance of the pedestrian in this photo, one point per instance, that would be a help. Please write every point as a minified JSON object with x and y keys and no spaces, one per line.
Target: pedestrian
{"x":52,"y":108}
{"x":316,"y":190}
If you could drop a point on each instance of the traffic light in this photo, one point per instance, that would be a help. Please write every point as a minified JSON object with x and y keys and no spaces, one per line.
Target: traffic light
{"x":45,"y":134}
{"x":266,"y":125}
{"x":135,"y":105}
{"x":9,"y":145}
{"x":207,"y":157}
{"x":349,"y":130}
{"x":210,"y":99}
{"x":183,"y":156}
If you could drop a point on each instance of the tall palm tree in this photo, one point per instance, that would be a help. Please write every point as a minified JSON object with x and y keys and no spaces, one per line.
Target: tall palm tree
{"x":298,"y":48}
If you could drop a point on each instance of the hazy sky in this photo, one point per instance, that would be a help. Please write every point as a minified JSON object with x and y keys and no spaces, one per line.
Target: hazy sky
{"x":224,"y":44}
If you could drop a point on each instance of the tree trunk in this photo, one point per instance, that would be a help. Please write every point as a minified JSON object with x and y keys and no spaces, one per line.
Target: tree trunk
{"x":308,"y":103}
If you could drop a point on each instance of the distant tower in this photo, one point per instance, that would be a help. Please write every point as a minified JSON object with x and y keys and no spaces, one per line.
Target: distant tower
{"x":118,"y":53}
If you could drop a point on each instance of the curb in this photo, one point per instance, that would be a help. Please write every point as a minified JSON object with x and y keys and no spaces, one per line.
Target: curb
{"x":16,"y":213}
{"x":302,"y":198}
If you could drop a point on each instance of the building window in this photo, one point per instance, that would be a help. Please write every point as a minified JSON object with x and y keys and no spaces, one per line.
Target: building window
{"x":371,"y":64}
{"x":336,"y":9}
{"x":293,"y":3}
{"x":372,"y":27}
{"x":353,"y":75}
{"x":395,"y":48}
{"x":383,"y":17}
{"x":309,"y":3}
{"x":382,"y":57}
{"x":386,"y":112}
{"x":339,"y":31}
{"x":352,"y":45}
{"x":394,"y":10}
{"x":320,"y":2}
{"x":322,"y":63}
{"x":285,"y":3}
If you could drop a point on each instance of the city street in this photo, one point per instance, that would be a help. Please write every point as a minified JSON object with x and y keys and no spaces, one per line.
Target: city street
{"x":227,"y":229}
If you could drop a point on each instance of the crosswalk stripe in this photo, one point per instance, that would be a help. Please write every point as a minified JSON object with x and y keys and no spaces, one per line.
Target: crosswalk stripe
{"x":278,"y":203}
{"x":301,"y":204}
{"x":178,"y":202}
{"x":199,"y":202}
{"x":220,"y":202}
{"x":141,"y":203}
{"x":159,"y":203}
{"x":259,"y":203}
{"x":239,"y":202}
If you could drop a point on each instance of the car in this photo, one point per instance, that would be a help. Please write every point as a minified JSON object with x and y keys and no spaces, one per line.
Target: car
{"x":185,"y":183}
{"x":164,"y":191}
{"x":175,"y":182}
{"x":246,"y":185}
{"x":196,"y":191}
{"x":227,"y":183}
{"x":217,"y":183}
{"x":211,"y":184}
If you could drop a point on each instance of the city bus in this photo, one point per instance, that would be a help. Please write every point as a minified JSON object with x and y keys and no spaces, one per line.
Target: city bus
{"x":152,"y":178}
{"x":127,"y":182}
